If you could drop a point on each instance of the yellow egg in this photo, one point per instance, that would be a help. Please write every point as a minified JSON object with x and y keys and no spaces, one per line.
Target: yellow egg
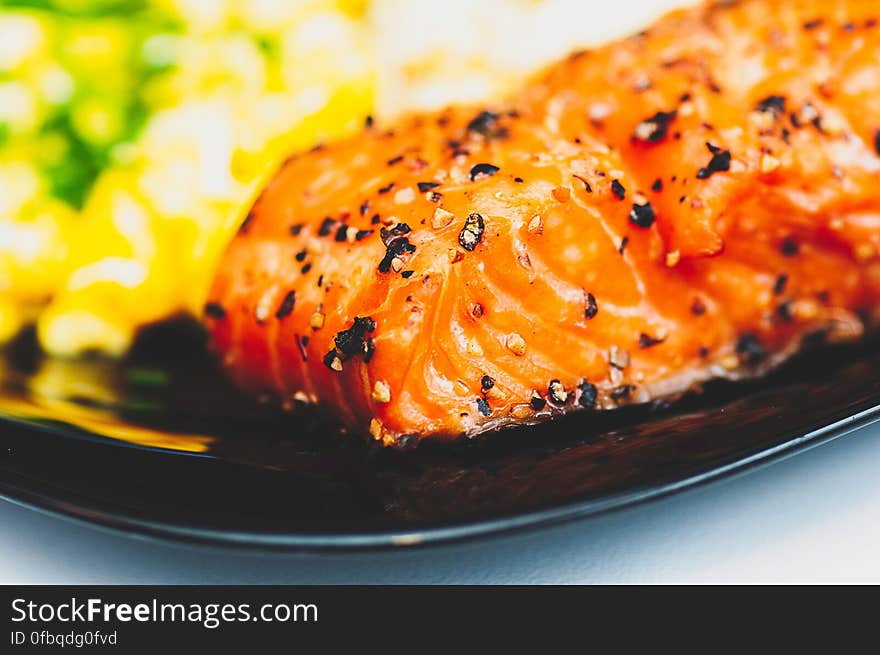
{"x":238,"y":88}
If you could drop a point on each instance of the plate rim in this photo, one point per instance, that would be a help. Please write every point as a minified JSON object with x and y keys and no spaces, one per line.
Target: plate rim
{"x":479,"y":529}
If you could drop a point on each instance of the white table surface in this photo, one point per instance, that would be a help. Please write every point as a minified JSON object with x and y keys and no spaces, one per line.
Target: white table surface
{"x":814,"y":518}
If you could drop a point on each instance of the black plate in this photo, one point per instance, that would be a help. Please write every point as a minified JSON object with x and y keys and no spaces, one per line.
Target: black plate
{"x":159,"y":444}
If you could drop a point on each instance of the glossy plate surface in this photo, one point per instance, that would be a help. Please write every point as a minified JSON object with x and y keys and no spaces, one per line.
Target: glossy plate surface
{"x":159,"y":444}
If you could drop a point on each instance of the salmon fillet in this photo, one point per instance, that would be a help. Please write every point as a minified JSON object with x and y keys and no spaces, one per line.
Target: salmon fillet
{"x":697,"y":201}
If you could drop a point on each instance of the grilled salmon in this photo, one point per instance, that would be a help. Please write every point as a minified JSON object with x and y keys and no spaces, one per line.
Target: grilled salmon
{"x":700,"y":200}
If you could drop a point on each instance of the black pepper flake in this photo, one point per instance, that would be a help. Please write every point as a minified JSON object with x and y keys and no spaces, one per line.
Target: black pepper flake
{"x":360,"y":235}
{"x":657,"y":186}
{"x":389,"y":235}
{"x":588,"y":394}
{"x":622,"y":392}
{"x":587,"y":187}
{"x":472,"y":232}
{"x":779,"y":285}
{"x":331,"y":357}
{"x":424,"y":187}
{"x":618,"y":190}
{"x":519,"y":180}
{"x":287,"y":305}
{"x":813,"y":24}
{"x":215,"y":310}
{"x":386,"y":188}
{"x":655,"y":128}
{"x":341,"y":233}
{"x":698,"y":307}
{"x":783,"y":311}
{"x":483,"y":169}
{"x":364,"y":208}
{"x":395,"y":160}
{"x":623,"y":243}
{"x":406,"y":274}
{"x":789,"y":247}
{"x":301,"y":255}
{"x":771,"y":104}
{"x":750,"y":349}
{"x":642,"y":215}
{"x":591,"y":308}
{"x":556,"y":392}
{"x":537,"y":403}
{"x":355,"y":340}
{"x":719,"y":163}
{"x":296,"y":229}
{"x":647,"y":341}
{"x":435,"y":197}
{"x":301,"y":343}
{"x":483,"y":407}
{"x":375,"y":219}
{"x":396,"y":244}
{"x":368,"y":121}
{"x":486,"y":383}
{"x":877,"y":141}
{"x":305,"y":269}
{"x":486,"y":124}
{"x":326,"y":227}
{"x":246,"y":223}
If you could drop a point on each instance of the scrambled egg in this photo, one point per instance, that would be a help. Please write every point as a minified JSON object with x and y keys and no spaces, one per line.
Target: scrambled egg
{"x":131,"y":135}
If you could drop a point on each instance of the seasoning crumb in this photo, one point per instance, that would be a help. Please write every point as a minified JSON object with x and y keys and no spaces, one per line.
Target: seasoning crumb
{"x":287,"y":305}
{"x":332,"y":361}
{"x":472,"y":232}
{"x":556,"y":392}
{"x":618,"y":357}
{"x":790,"y":247}
{"x":591,"y":308}
{"x":536,"y":225}
{"x":769,"y":163}
{"x":376,"y":429}
{"x":215,"y":310}
{"x":642,"y":215}
{"x":780,"y":284}
{"x":749,"y":348}
{"x":483,"y":169}
{"x":588,"y":394}
{"x":672,"y":258}
{"x":516,"y":344}
{"x":536,"y":402}
{"x":483,"y":407}
{"x":404,"y":196}
{"x":381,"y":392}
{"x":655,"y":128}
{"x":477,"y":311}
{"x":441,"y":218}
{"x":719,"y":163}
{"x":316,"y":320}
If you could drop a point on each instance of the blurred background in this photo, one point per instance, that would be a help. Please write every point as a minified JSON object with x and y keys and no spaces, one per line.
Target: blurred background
{"x":132,"y":132}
